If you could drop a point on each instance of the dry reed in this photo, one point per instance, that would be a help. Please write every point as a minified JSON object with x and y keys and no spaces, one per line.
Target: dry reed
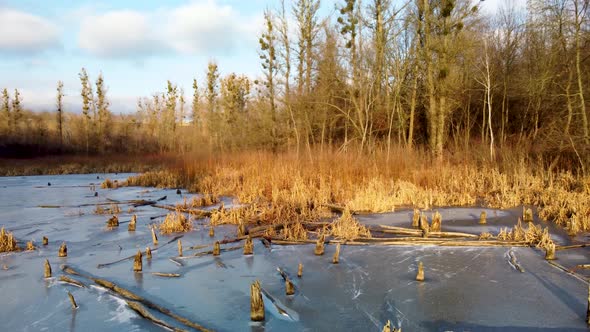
{"x":282,"y":186}
{"x":7,"y":241}
{"x":348,"y":228}
{"x":175,"y":222}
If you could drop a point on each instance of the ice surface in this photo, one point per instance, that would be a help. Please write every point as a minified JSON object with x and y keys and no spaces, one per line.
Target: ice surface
{"x":466,"y":289}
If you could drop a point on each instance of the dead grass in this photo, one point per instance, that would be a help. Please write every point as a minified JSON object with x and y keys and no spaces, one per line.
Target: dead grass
{"x":113,"y":209}
{"x":203,"y":200}
{"x":348,"y":228}
{"x":534,"y":235}
{"x":175,"y":222}
{"x":283,"y":186}
{"x":109,"y":184}
{"x":7,"y":241}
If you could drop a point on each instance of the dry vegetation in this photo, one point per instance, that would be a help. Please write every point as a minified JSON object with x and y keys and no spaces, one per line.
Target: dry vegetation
{"x":175,"y":222}
{"x":283,"y":187}
{"x":7,"y":241}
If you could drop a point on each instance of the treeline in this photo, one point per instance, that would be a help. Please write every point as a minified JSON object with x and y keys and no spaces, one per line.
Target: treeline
{"x":434,"y":73}
{"x":24,"y":133}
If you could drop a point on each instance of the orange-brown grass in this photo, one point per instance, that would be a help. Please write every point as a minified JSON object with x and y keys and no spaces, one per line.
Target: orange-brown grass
{"x":294,"y":231}
{"x":113,"y":209}
{"x":7,"y":241}
{"x":199,"y":201}
{"x":159,"y":179}
{"x":175,"y":222}
{"x":533,"y":235}
{"x":285,"y":185}
{"x":109,"y":184}
{"x":348,"y":228}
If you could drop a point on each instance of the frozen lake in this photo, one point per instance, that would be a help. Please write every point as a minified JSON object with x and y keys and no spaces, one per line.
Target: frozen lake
{"x":466,"y":289}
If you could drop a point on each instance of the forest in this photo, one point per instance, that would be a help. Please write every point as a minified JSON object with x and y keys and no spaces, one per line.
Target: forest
{"x":374,"y":75}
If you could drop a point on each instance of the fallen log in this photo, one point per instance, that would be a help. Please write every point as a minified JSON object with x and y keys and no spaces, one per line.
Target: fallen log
{"x":194,"y":212}
{"x":100,"y":266}
{"x":574,"y":246}
{"x":143,"y":312}
{"x":407,"y":231}
{"x":209,"y":252}
{"x":71,"y":281}
{"x":134,"y":297}
{"x":166,"y":275}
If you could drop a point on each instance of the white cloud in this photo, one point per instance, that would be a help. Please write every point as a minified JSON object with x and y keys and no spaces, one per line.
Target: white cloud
{"x":22,"y":32}
{"x":201,"y":27}
{"x":118,"y":33}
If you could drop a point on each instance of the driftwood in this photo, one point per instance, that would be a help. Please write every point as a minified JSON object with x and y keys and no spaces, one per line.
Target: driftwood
{"x":407,"y":231}
{"x":574,"y":246}
{"x":134,"y":297}
{"x":143,"y":312}
{"x":100,"y":266}
{"x":134,"y":202}
{"x":194,"y":212}
{"x":209,"y":252}
{"x":71,"y":281}
{"x":167,"y":275}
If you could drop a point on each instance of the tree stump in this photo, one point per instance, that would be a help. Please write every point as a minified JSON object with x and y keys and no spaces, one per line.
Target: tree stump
{"x":420,"y":275}
{"x":482,"y":218}
{"x":63,"y":250}
{"x":335,"y":258}
{"x":132,"y":224}
{"x":137,"y":263}
{"x":216,"y":249}
{"x":319,"y":246}
{"x":47,"y":272}
{"x":248,"y":246}
{"x":256,"y":303}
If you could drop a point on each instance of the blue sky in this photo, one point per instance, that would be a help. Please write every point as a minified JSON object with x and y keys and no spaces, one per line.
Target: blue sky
{"x":137,"y":45}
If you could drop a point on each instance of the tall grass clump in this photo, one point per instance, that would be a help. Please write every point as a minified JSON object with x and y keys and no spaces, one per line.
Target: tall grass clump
{"x":348,"y":228}
{"x":7,"y":241}
{"x":175,"y":222}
